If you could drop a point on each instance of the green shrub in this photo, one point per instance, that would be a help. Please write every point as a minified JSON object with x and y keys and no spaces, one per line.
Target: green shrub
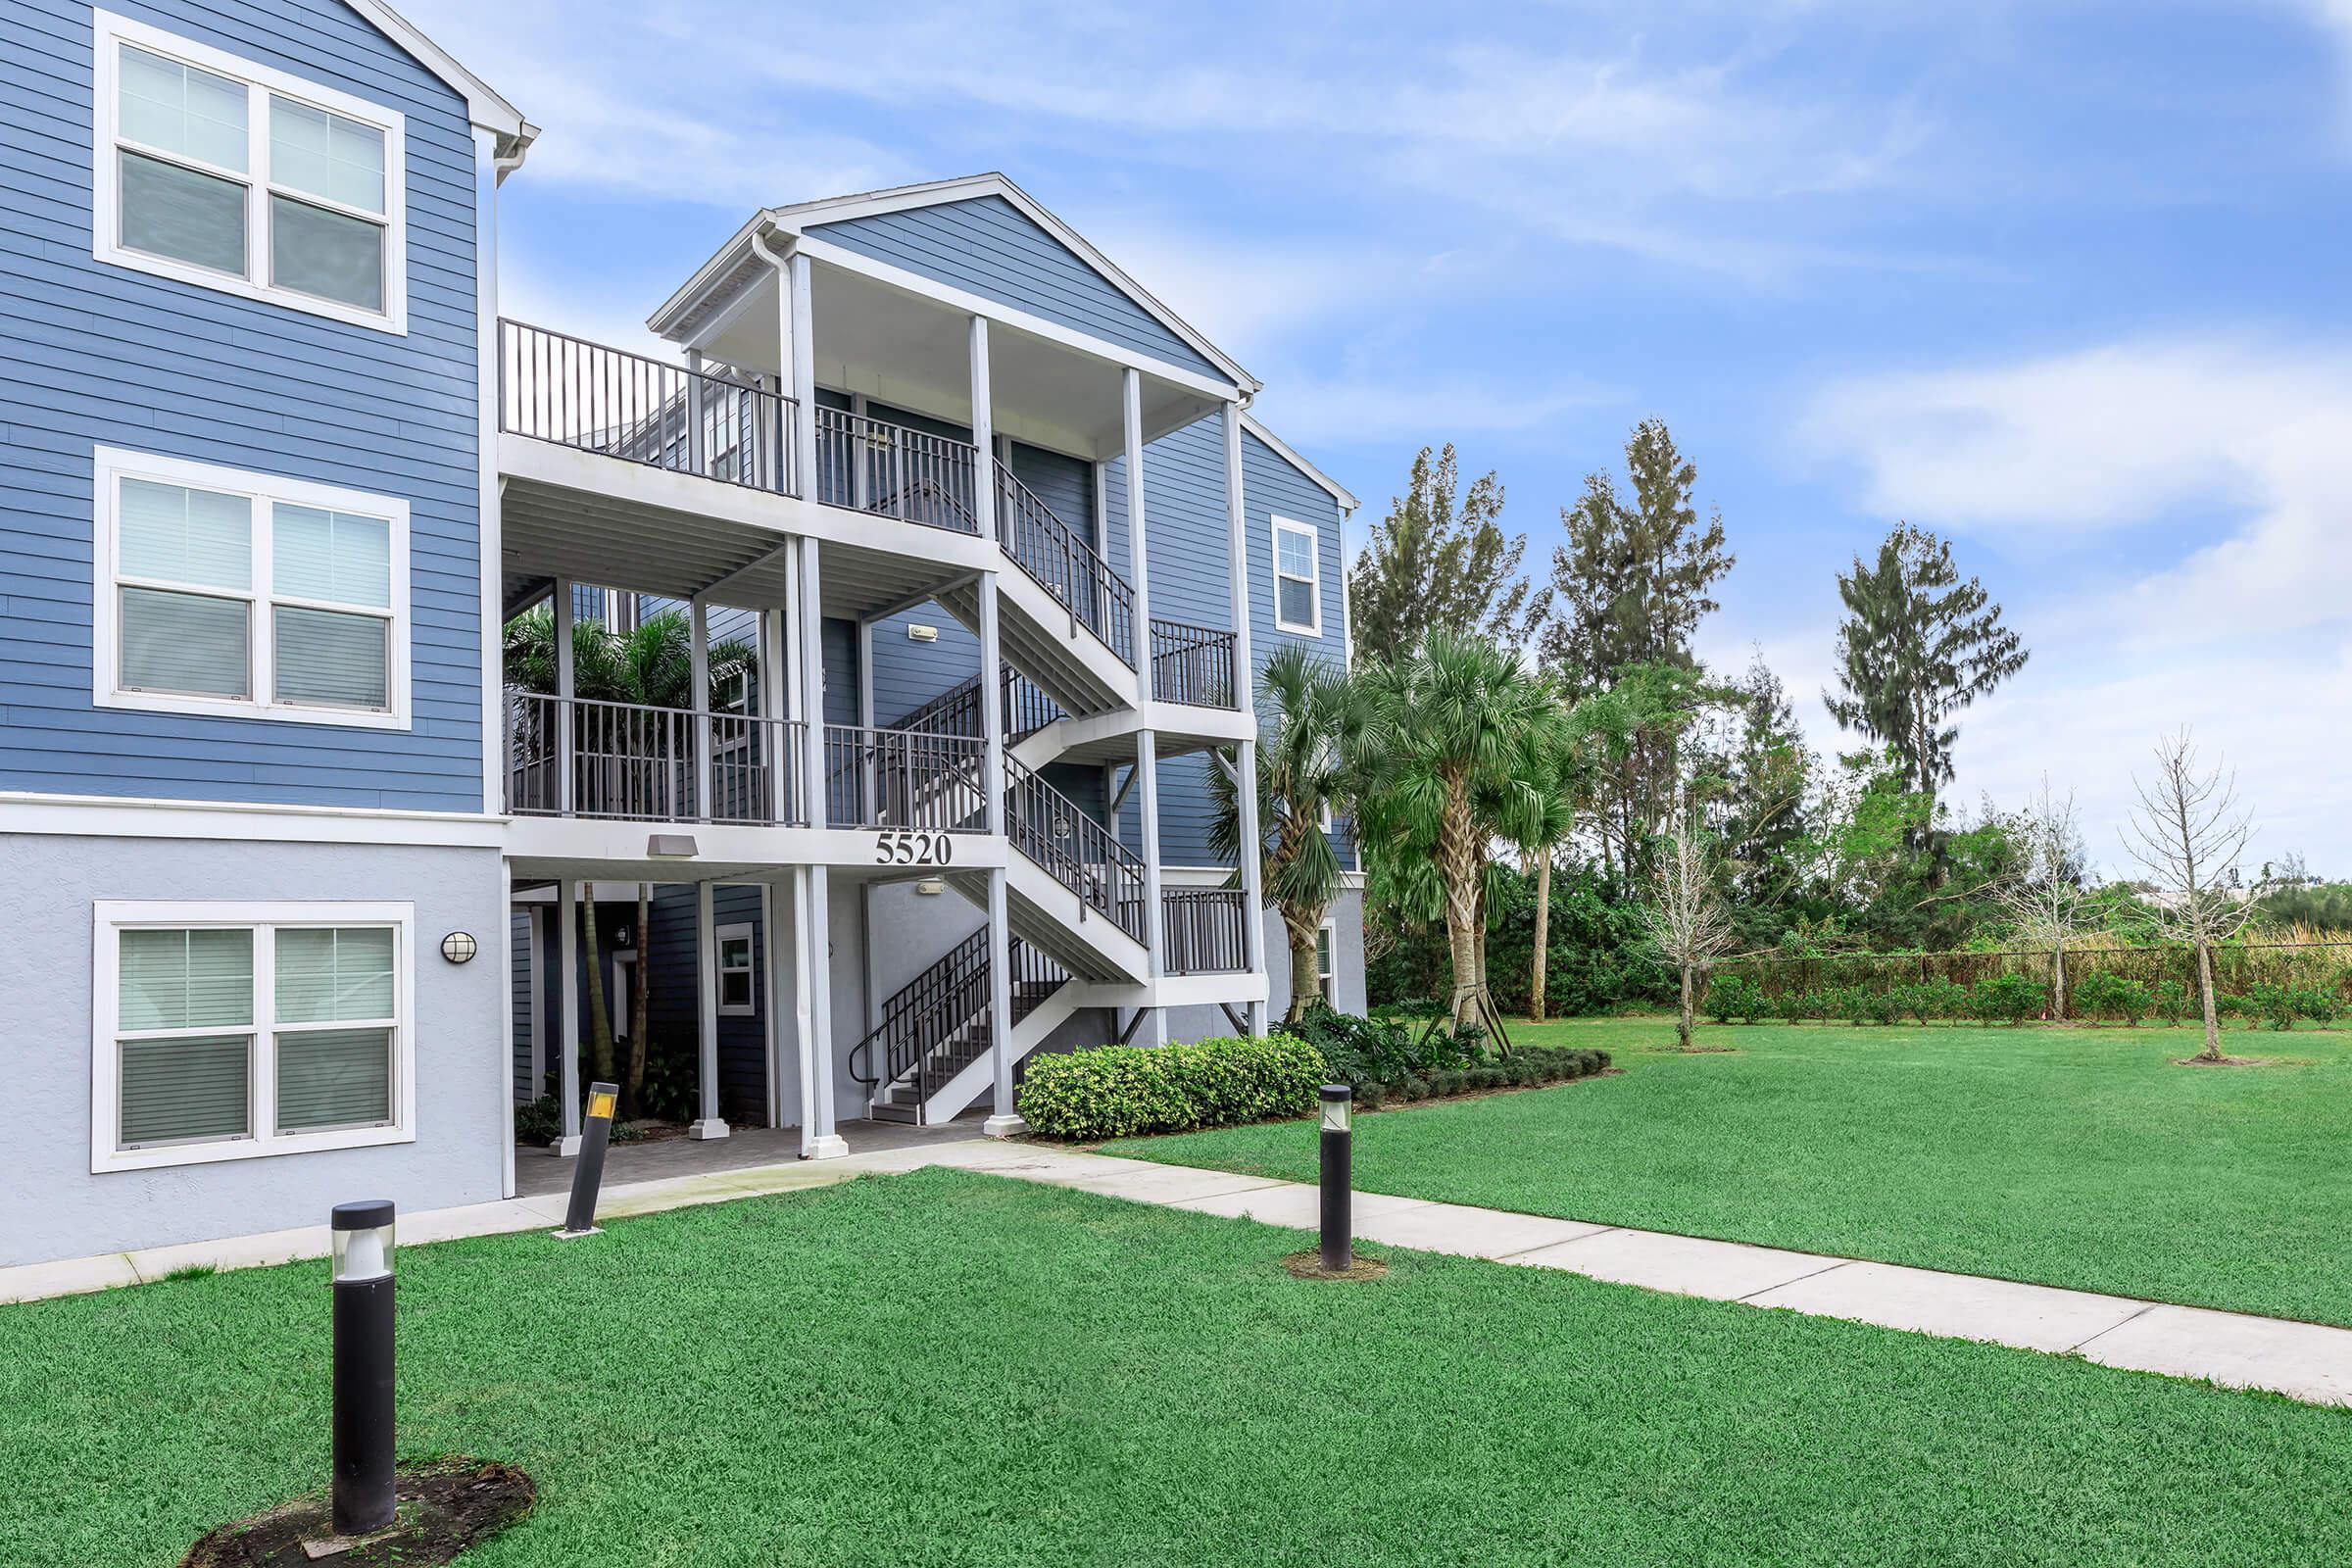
{"x":2007,"y":998}
{"x":1118,"y":1090}
{"x":2275,"y":1006}
{"x":539,"y":1122}
{"x":2228,"y":1004}
{"x":2172,"y":1002}
{"x":2319,"y":1006}
{"x":2105,"y":995}
{"x":1945,"y":996}
{"x":1364,"y":1052}
{"x":1733,"y":995}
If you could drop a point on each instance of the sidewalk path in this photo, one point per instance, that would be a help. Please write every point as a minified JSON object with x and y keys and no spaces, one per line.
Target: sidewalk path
{"x":2306,"y":1361}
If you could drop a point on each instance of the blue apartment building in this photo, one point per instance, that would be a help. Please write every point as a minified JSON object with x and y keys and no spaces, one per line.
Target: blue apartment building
{"x":986,"y":537}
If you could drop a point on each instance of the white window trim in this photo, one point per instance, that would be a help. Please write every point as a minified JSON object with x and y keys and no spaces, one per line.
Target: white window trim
{"x":109,"y":33}
{"x":1331,"y":929}
{"x":750,"y":970}
{"x":1278,"y":576}
{"x":111,"y":917}
{"x":111,"y":465}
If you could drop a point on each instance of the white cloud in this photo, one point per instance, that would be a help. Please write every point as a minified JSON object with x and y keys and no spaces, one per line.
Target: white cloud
{"x":2245,"y":632}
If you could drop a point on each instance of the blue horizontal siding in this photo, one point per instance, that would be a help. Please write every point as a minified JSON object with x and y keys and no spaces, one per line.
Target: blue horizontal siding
{"x":94,"y":355}
{"x":987,"y":246}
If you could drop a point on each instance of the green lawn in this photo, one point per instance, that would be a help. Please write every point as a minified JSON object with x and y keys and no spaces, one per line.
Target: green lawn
{"x":2080,"y":1157}
{"x":949,"y":1368}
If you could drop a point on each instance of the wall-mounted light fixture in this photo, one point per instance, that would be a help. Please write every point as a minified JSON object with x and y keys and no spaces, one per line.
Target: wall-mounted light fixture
{"x":930,"y":887}
{"x":459,"y":946}
{"x":920,"y":633}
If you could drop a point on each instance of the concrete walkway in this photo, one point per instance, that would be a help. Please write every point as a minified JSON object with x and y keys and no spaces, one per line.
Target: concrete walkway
{"x":2306,"y":1361}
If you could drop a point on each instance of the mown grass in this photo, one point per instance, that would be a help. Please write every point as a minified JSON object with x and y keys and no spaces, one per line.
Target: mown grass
{"x":2080,"y":1156}
{"x":946,"y":1368}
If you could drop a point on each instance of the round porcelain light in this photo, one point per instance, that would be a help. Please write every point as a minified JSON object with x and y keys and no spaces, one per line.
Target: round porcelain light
{"x":459,"y":946}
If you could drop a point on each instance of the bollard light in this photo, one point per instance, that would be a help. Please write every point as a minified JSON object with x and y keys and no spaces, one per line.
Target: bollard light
{"x":588,"y":1166}
{"x":1339,"y":1246}
{"x":362,"y":1432}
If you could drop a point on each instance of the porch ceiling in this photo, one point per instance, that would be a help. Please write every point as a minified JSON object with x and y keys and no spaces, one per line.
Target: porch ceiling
{"x":911,"y":351}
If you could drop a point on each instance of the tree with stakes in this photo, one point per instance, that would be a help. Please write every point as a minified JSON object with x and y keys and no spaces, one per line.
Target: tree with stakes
{"x":2048,"y":897}
{"x":2188,"y":833}
{"x":1685,"y":924}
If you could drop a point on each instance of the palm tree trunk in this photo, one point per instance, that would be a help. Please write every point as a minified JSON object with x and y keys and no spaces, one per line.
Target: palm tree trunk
{"x":632,"y":1083}
{"x":600,"y":1016}
{"x":1458,"y":865}
{"x":1302,"y":926}
{"x":1535,"y":981}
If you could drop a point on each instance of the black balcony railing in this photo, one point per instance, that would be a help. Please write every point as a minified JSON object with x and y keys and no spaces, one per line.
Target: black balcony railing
{"x":1202,"y":930}
{"x":894,"y":471}
{"x":586,"y":758}
{"x":1192,"y":665}
{"x":903,"y":779}
{"x":567,"y":390}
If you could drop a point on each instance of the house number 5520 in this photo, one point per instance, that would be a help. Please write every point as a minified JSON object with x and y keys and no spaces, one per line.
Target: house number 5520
{"x":905,"y":848}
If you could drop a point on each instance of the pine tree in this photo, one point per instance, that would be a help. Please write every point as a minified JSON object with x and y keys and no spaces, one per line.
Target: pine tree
{"x":1442,"y":560}
{"x":1918,"y":645}
{"x":1633,"y":581}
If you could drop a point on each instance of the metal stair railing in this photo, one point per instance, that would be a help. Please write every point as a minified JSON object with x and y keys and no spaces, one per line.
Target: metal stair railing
{"x":1075,"y":849}
{"x":893,"y":471}
{"x":1049,"y":551}
{"x":957,"y":711}
{"x":937,"y":1024}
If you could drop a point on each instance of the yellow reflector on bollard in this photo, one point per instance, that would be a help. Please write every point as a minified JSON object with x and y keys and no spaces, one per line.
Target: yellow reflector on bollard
{"x":600,"y":1106}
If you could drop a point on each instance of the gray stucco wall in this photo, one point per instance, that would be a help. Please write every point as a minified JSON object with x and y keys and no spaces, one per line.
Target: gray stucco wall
{"x":51,"y":1204}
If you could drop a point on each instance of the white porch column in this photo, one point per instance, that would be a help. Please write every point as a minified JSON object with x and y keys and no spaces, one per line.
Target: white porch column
{"x":804,"y":1016}
{"x":809,"y":606}
{"x":565,"y":719}
{"x":771,"y":1002}
{"x":698,"y":646}
{"x":1245,"y":698}
{"x":803,"y":375}
{"x":984,"y":445}
{"x":506,"y":966}
{"x":1155,"y":1030}
{"x":1138,"y":560}
{"x":695,"y":455}
{"x":567,"y":1005}
{"x":709,"y":1124}
{"x":1004,"y":1121}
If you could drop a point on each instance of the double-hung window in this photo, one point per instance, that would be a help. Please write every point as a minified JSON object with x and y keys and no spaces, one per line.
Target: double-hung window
{"x":1327,"y":962}
{"x":219,"y":591}
{"x":220,"y":172}
{"x":1298,"y":578}
{"x":735,"y":965}
{"x":226,"y":1031}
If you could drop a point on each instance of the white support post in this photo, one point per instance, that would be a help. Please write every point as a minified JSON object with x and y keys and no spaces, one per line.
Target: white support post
{"x":1004,"y":1120}
{"x":1132,"y":391}
{"x":491,"y":557}
{"x":565,"y":719}
{"x":809,"y":672}
{"x":984,"y":445}
{"x":697,"y":653}
{"x":709,"y":1124}
{"x":775,"y":749}
{"x":809,"y":606}
{"x":694,"y":412}
{"x":865,"y":890}
{"x":771,"y":1007}
{"x":804,"y":374}
{"x":568,"y":1003}
{"x":802,"y":1015}
{"x":1154,"y":1031}
{"x":506,"y":1076}
{"x":1245,"y":698}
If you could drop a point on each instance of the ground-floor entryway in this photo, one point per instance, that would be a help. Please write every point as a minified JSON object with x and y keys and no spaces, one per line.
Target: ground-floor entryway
{"x":538,"y":1171}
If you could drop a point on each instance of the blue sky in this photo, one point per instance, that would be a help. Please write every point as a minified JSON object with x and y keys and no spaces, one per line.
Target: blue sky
{"x":2064,"y":281}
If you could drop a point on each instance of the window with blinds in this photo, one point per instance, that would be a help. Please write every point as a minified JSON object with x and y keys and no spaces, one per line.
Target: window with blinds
{"x":260,"y":1037}
{"x":237,"y":592}
{"x":223,"y":172}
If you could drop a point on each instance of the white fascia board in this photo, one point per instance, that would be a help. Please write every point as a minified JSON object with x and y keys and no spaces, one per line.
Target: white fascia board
{"x":691,"y":294}
{"x":1283,"y":448}
{"x":484,"y":106}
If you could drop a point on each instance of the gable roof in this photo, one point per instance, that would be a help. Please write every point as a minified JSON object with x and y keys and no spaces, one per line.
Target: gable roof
{"x":801,"y":217}
{"x":483,"y":105}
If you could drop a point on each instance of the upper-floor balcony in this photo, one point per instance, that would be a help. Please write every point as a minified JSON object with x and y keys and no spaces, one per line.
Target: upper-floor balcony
{"x":732,"y":429}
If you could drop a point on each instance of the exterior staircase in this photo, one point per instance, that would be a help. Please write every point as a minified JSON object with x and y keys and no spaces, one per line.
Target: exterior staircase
{"x":930,"y":1055}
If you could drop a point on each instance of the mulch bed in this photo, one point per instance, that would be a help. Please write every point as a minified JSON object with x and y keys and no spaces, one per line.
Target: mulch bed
{"x":1308,"y":1265}
{"x":444,"y":1509}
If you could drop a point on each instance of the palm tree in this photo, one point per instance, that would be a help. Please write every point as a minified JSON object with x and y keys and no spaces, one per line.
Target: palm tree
{"x":1307,"y":704}
{"x":1458,"y":739}
{"x":650,"y":666}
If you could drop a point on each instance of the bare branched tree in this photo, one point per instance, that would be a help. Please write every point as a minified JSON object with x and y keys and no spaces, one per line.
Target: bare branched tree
{"x":2189,"y":836}
{"x":2047,"y":898}
{"x":1684,"y":922}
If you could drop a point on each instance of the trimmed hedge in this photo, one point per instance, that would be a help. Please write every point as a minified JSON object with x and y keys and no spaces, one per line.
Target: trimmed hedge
{"x":1120,"y":1091}
{"x":1526,"y":1068}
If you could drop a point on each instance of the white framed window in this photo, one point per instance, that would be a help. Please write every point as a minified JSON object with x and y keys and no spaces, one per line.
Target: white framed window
{"x":228,"y":175}
{"x":246,"y":595}
{"x":1297,"y":578}
{"x":734,"y":971}
{"x":230,"y":1031}
{"x":1327,"y":961}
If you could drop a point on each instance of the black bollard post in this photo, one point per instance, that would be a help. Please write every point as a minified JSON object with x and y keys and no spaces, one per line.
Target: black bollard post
{"x":588,"y":1171}
{"x":363,"y":1367}
{"x":1339,"y":1246}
